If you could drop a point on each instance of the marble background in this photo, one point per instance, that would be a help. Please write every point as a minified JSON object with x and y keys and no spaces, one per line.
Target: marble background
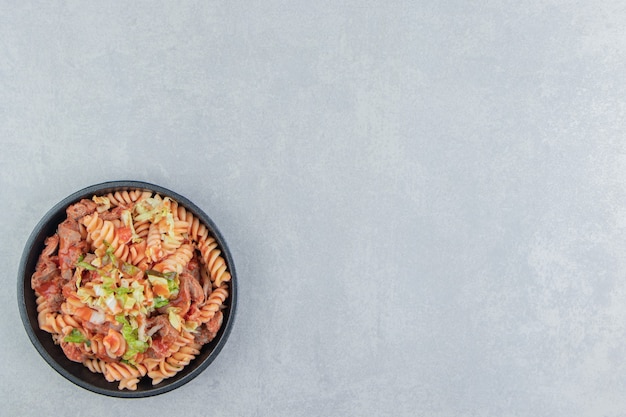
{"x":426,"y":201}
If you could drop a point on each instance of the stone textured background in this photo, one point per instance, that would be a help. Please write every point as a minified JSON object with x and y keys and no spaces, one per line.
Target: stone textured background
{"x":426,"y":201}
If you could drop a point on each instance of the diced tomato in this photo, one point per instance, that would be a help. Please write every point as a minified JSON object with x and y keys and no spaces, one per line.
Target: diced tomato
{"x":84,"y":313}
{"x":161,"y":290}
{"x":69,"y":256}
{"x":73,"y":352}
{"x":160,"y":347}
{"x":124,"y":234}
{"x":48,"y":288}
{"x":68,"y":289}
{"x":193,"y":314}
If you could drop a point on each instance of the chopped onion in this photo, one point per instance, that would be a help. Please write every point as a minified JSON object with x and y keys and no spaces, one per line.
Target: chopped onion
{"x":97,"y":317}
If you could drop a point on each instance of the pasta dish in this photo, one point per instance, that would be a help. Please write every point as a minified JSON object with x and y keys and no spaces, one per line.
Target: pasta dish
{"x":131,"y":285}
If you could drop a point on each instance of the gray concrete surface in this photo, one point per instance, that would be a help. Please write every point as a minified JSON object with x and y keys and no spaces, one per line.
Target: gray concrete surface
{"x":426,"y":201}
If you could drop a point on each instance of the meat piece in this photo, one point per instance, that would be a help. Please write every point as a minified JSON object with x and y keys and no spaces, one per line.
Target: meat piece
{"x":80,"y":209}
{"x":55,"y":301}
{"x":193,"y":314}
{"x":158,"y":350}
{"x":190,"y":295}
{"x":195,"y":289}
{"x":215,"y":322}
{"x":52,"y":243}
{"x":51,"y":291}
{"x":69,"y":287}
{"x":101,"y":328}
{"x":164,"y":336}
{"x":208,"y":331}
{"x":46,"y":279}
{"x":71,"y":247}
{"x":163,"y":328}
{"x":69,"y":232}
{"x":47,"y":272}
{"x":189,"y":292}
{"x":198,"y":272}
{"x":73,"y":352}
{"x":203,"y":335}
{"x":112,"y":214}
{"x":192,"y":268}
{"x":46,"y":268}
{"x":182,"y":301}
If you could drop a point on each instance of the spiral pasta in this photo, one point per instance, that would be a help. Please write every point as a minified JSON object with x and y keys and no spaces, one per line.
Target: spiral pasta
{"x":43,"y":310}
{"x":215,"y":264}
{"x":154,"y":243}
{"x":142,"y":228}
{"x":93,"y":224}
{"x":214,"y":303}
{"x":126,"y":198}
{"x":176,"y":261}
{"x":108,"y":236}
{"x":168,"y":367}
{"x":96,"y":347}
{"x":144,"y":296}
{"x":180,"y":354}
{"x":61,"y":323}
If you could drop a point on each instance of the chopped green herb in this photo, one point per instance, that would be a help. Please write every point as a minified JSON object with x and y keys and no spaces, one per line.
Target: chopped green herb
{"x":129,"y":269}
{"x":109,"y":254}
{"x":123,"y":290}
{"x":153,"y":273}
{"x":86,"y":266}
{"x":160,"y":301}
{"x":135,"y":345}
{"x":172,"y":286}
{"x":76,"y":336}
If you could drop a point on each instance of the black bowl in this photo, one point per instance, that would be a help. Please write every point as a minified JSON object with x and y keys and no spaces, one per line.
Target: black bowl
{"x":77,"y":372}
